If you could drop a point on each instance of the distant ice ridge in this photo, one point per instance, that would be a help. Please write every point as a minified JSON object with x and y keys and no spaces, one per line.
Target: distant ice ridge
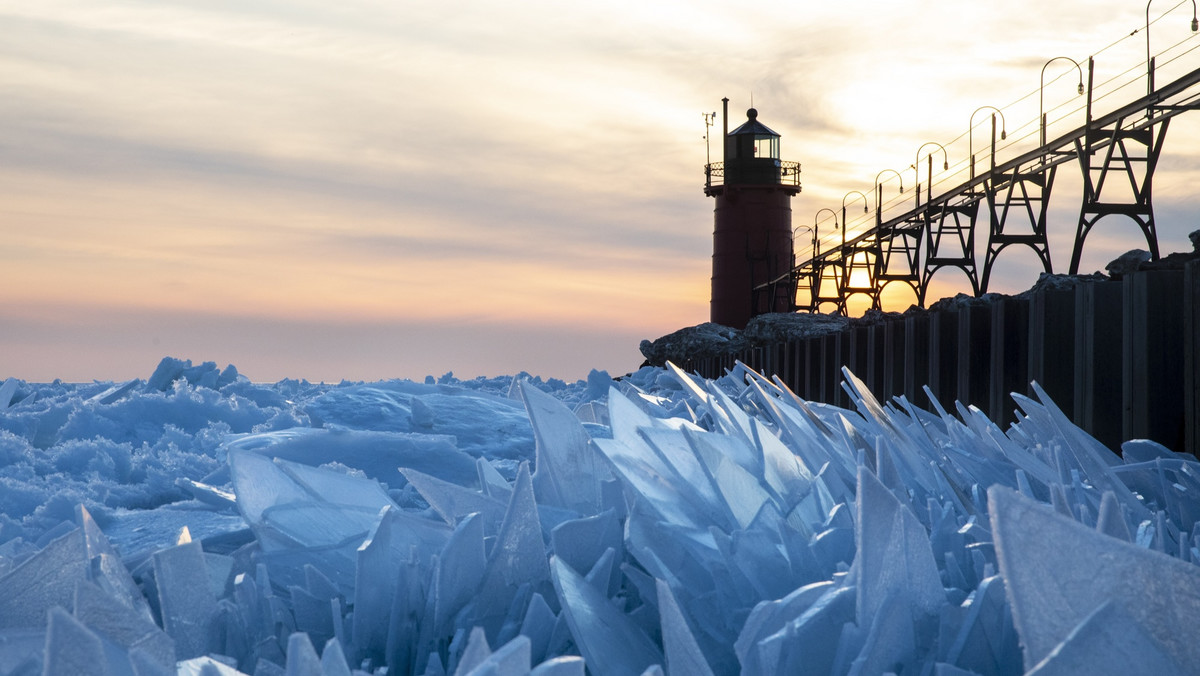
{"x":674,"y":526}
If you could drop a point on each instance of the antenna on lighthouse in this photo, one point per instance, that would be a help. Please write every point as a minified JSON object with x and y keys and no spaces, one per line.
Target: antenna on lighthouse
{"x":709,"y":120}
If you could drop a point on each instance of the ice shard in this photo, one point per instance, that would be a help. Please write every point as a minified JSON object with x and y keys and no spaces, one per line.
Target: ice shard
{"x":581,"y":542}
{"x":452,"y":502}
{"x":1060,"y":572}
{"x":610,"y":641}
{"x":43,"y":581}
{"x":894,"y":556}
{"x":683,"y":654}
{"x":398,"y":539}
{"x":517,"y":558}
{"x":1109,"y":641}
{"x":303,"y":514}
{"x":71,"y":648}
{"x":458,"y":572}
{"x":185,"y":597}
{"x":122,"y":627}
{"x":378,"y":454}
{"x":568,"y":472}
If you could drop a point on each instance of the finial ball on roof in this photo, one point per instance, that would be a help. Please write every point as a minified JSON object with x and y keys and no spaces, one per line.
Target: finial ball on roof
{"x":752,"y":113}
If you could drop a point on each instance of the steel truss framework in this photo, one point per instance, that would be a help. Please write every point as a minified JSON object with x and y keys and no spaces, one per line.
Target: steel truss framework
{"x":1117,"y":154}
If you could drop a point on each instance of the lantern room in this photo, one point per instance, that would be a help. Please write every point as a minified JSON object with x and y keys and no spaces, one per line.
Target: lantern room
{"x":752,"y":153}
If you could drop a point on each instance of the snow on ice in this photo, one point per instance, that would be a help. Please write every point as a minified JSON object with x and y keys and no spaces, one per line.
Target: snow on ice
{"x":199,"y":523}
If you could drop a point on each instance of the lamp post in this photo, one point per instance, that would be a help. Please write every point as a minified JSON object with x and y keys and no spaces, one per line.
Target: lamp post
{"x":795,"y":232}
{"x":1149,"y":59}
{"x":864,"y":201}
{"x":816,"y":267}
{"x":1042,"y":86}
{"x":879,"y":194}
{"x":816,"y":224}
{"x":917,"y":168}
{"x":971,"y":128}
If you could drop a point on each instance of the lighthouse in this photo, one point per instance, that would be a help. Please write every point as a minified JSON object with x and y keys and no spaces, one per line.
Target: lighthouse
{"x":752,"y":234}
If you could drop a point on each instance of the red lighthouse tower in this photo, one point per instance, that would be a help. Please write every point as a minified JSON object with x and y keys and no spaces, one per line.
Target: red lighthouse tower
{"x":752,"y":237}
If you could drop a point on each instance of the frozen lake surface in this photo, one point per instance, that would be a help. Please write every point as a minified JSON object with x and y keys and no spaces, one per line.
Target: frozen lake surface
{"x":196,"y":522}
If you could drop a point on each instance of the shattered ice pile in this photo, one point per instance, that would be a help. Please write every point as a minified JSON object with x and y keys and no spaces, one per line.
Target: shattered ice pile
{"x":657,"y":524}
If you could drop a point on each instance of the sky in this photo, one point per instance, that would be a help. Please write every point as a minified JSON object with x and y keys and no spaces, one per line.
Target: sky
{"x":365,"y":189}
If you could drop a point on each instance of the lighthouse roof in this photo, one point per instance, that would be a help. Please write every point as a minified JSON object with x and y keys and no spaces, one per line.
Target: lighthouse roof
{"x":753,"y":126}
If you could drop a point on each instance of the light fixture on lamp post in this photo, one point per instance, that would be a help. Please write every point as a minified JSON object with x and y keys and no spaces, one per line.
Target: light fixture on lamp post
{"x":971,"y":128}
{"x":1042,"y":86}
{"x":879,"y":194}
{"x":864,"y":201}
{"x":816,"y":267}
{"x":796,"y":231}
{"x":917,"y":168}
{"x":1149,"y":59}
{"x":816,"y":223}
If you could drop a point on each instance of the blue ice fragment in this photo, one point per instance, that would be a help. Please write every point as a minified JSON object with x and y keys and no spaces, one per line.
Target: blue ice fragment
{"x":739,"y":490}
{"x":1059,"y":572}
{"x":122,"y":626}
{"x":185,"y":598}
{"x":302,"y":657}
{"x":538,"y":626}
{"x":645,"y":474}
{"x":312,"y":614}
{"x":397,"y":538}
{"x":683,"y":654}
{"x":333,"y":659}
{"x":106,"y":569}
{"x":688,"y":474}
{"x":306,"y":515}
{"x":768,"y":617}
{"x":510,"y":659}
{"x":491,"y":482}
{"x":805,"y":645}
{"x":831,"y":547}
{"x":566,"y":665}
{"x":434,"y":666}
{"x":378,"y":454}
{"x":459,"y":571}
{"x":8,"y":390}
{"x":71,"y":648}
{"x":782,"y":469}
{"x":44,"y":580}
{"x":605,"y":574}
{"x":1145,"y":450}
{"x":406,"y":643}
{"x":1111,"y":520}
{"x":1109,"y":641}
{"x":891,"y":641}
{"x":581,"y":542}
{"x":208,"y":666}
{"x":474,"y":654}
{"x":261,"y":483}
{"x":986,"y":641}
{"x":453,"y":502}
{"x":569,"y":470}
{"x":609,"y":641}
{"x":144,"y":664}
{"x":518,"y":556}
{"x":893,"y":556}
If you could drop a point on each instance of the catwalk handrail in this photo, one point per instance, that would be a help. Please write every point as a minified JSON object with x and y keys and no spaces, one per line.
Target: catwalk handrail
{"x":1050,"y":154}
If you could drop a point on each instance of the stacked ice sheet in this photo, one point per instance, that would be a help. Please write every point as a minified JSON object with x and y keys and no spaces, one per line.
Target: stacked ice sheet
{"x":710,"y":527}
